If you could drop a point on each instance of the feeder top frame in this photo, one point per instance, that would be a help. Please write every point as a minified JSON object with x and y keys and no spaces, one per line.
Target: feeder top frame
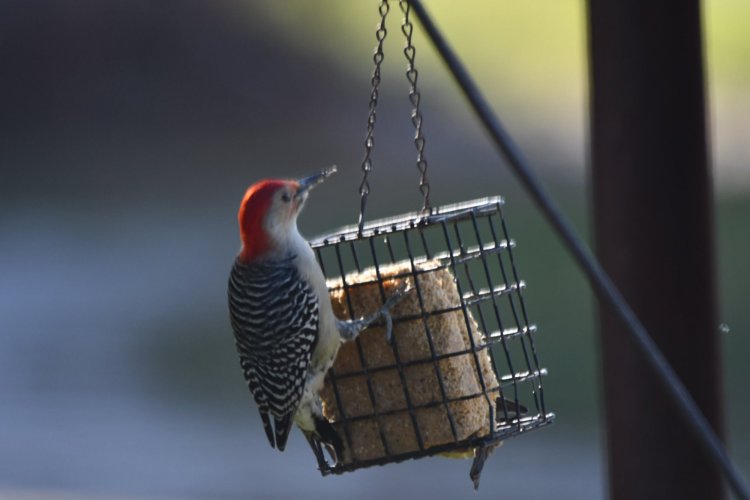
{"x":434,"y":215}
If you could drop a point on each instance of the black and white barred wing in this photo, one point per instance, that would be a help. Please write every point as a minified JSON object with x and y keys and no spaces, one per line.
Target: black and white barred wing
{"x":274,"y":315}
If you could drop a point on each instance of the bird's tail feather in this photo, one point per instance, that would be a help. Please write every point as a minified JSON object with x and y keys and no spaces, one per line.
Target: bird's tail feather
{"x":282,"y":425}
{"x":267,"y":428}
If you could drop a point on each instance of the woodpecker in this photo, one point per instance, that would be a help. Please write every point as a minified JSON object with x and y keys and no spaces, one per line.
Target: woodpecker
{"x":285,"y":331}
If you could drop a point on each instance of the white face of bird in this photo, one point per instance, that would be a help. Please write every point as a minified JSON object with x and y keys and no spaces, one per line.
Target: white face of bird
{"x":281,"y":215}
{"x":286,"y":204}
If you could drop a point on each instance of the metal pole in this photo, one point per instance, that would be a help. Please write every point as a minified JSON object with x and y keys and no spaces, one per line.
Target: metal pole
{"x":653,"y":218}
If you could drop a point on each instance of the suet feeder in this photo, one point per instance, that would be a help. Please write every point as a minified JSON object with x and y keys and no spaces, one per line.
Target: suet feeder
{"x":461,"y":372}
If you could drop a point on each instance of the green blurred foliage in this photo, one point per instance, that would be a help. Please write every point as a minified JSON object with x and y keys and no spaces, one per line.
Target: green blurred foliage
{"x":529,"y":57}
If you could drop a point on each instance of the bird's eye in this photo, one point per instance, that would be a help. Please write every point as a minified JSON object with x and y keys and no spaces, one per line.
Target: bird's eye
{"x":286,"y":198}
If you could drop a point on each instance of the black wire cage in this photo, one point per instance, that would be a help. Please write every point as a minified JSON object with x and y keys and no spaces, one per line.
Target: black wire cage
{"x":469,"y":241}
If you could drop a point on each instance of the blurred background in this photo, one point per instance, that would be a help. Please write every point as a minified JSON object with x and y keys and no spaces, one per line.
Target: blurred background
{"x":129,"y":131}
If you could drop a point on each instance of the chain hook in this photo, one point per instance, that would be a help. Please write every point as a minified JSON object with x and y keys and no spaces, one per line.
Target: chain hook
{"x":407,"y":28}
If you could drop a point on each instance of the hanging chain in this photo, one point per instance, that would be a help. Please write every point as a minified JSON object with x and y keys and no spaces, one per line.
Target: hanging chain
{"x":416,"y":115}
{"x":364,"y":187}
{"x":412,"y":75}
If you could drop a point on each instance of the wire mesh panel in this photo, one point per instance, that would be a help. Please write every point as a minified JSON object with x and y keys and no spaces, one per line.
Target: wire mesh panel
{"x":461,"y":370}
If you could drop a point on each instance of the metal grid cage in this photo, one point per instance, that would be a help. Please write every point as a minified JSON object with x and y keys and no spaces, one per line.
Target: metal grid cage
{"x":471,"y":241}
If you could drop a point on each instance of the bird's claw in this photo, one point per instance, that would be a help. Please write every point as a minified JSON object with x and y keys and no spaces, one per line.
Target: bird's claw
{"x":397,"y":296}
{"x":388,"y":325}
{"x":385,"y":311}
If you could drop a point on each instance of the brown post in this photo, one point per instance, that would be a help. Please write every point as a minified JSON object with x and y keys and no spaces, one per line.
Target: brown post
{"x":653,"y":217}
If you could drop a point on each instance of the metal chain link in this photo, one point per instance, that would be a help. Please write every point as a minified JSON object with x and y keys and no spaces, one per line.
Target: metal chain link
{"x":364,"y":187}
{"x":414,"y":96}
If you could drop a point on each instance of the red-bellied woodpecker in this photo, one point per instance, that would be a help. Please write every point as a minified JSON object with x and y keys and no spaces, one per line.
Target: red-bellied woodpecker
{"x":286,"y":333}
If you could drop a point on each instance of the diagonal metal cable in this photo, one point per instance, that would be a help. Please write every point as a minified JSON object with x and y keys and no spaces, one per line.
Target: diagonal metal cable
{"x":599,"y":280}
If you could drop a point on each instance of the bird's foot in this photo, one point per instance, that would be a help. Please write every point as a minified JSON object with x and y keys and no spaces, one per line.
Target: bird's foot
{"x":316,"y":447}
{"x":330,"y":438}
{"x":385,"y":311}
{"x":350,"y":329}
{"x":325,"y":438}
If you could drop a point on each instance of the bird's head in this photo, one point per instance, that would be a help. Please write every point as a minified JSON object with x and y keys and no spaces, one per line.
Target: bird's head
{"x":268,"y":213}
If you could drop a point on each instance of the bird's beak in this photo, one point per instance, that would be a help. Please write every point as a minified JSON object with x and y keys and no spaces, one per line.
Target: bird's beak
{"x":307,"y":183}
